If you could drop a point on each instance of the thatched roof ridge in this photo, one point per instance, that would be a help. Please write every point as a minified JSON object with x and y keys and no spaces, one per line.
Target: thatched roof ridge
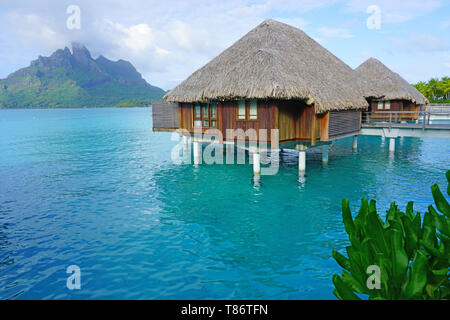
{"x":276,"y":61}
{"x":389,"y":83}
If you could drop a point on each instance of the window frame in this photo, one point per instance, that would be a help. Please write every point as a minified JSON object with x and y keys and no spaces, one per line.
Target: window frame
{"x":247,"y":110}
{"x":194,"y":116}
{"x":384,"y":104}
{"x":205,"y":116}
{"x":378,"y":105}
{"x":211,"y":118}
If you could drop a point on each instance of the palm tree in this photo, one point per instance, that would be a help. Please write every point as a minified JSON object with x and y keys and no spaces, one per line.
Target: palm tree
{"x":446,"y":87}
{"x":433,"y":85}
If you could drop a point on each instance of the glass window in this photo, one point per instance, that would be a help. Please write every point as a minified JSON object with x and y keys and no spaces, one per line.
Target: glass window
{"x":197,"y":111}
{"x":213,"y":123}
{"x":241,"y":110}
{"x":253,"y":110}
{"x":387,"y":105}
{"x":380,"y":105}
{"x":198,"y":123}
{"x":214,"y":110}
{"x":205,"y":123}
{"x":205,"y":113}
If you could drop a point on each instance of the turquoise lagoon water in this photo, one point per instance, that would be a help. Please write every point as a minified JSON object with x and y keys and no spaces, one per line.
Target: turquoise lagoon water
{"x":96,"y":188}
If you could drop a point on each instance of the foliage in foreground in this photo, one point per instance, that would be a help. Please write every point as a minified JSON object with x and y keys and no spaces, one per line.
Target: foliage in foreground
{"x":413,"y":256}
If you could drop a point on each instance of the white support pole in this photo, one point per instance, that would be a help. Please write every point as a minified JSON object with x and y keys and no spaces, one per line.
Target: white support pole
{"x":391,"y":144}
{"x":325,"y":154}
{"x":302,"y":161}
{"x":256,"y":163}
{"x":197,"y":152}
{"x":355,"y":143}
{"x":185,"y":140}
{"x":383,"y":139}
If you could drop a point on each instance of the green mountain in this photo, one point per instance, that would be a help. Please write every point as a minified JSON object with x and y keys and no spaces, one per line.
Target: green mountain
{"x":75,"y":79}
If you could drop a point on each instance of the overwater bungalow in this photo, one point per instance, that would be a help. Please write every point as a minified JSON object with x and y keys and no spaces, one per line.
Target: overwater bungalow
{"x":398,"y":94}
{"x":275,"y":77}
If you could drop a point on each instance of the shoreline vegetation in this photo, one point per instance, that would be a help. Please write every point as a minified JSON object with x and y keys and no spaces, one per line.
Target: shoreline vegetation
{"x":129,"y":103}
{"x":436,"y":90}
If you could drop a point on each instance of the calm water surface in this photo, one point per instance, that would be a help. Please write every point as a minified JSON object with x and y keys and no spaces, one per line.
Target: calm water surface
{"x":96,"y":188}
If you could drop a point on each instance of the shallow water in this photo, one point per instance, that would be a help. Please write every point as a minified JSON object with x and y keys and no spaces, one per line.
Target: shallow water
{"x":96,"y":188}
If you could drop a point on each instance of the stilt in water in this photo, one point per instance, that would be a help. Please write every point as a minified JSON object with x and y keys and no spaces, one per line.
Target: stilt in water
{"x":256,"y":163}
{"x":301,"y":158}
{"x":355,"y":143}
{"x":197,"y":149}
{"x":325,"y":154}
{"x":391,"y":144}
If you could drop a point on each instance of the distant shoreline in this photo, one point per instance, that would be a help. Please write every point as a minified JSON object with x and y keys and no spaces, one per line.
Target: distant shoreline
{"x":95,"y":107}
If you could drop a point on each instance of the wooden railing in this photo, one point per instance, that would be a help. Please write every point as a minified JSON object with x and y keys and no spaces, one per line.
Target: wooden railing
{"x":413,"y":118}
{"x":438,"y":108}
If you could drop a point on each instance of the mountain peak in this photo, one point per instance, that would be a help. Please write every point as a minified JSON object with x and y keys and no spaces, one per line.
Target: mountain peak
{"x":80,"y":53}
{"x":74,"y":78}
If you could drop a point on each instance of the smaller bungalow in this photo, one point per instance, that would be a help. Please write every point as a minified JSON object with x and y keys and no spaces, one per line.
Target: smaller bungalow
{"x":397,"y":94}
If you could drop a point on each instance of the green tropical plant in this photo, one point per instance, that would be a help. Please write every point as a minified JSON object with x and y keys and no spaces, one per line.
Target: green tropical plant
{"x":413,"y":255}
{"x":436,"y":90}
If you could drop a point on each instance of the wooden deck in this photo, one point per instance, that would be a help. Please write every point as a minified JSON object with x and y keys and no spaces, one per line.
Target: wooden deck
{"x":406,"y":125}
{"x":422,"y":128}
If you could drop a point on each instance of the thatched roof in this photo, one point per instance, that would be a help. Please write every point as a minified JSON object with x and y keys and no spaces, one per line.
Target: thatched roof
{"x":275,"y":60}
{"x":389,"y":83}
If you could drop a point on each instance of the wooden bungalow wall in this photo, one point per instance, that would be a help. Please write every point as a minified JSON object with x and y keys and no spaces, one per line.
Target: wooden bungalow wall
{"x":226,"y":118}
{"x":396,"y":105}
{"x":295,"y":120}
{"x":165,"y":116}
{"x":342,"y":123}
{"x":266,"y":119}
{"x":299,"y":122}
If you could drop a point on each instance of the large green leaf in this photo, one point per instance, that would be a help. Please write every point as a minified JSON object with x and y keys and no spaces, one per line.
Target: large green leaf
{"x":439,"y":221}
{"x":374,"y":229}
{"x":400,"y":259}
{"x":341,"y":260}
{"x":352,"y":283}
{"x":343,"y":291}
{"x":409,"y":210}
{"x":347,"y":218}
{"x":418,"y":276}
{"x":441,"y":204}
{"x":413,"y":256}
{"x":448,"y":179}
{"x":356,"y":268}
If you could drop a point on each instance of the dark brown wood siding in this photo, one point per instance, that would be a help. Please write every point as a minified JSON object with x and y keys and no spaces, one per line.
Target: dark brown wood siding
{"x":165,"y":116}
{"x":344,"y":122}
{"x":295,"y":120}
{"x":299,"y":122}
{"x":185,"y":114}
{"x":410,"y":106}
{"x":266,"y":117}
{"x":396,"y":105}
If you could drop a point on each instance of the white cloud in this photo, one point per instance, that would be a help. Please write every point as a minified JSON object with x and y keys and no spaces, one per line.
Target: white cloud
{"x":167,"y":40}
{"x":33,"y":29}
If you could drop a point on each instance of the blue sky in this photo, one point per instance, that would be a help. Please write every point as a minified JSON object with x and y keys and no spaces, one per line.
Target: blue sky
{"x":168,"y":40}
